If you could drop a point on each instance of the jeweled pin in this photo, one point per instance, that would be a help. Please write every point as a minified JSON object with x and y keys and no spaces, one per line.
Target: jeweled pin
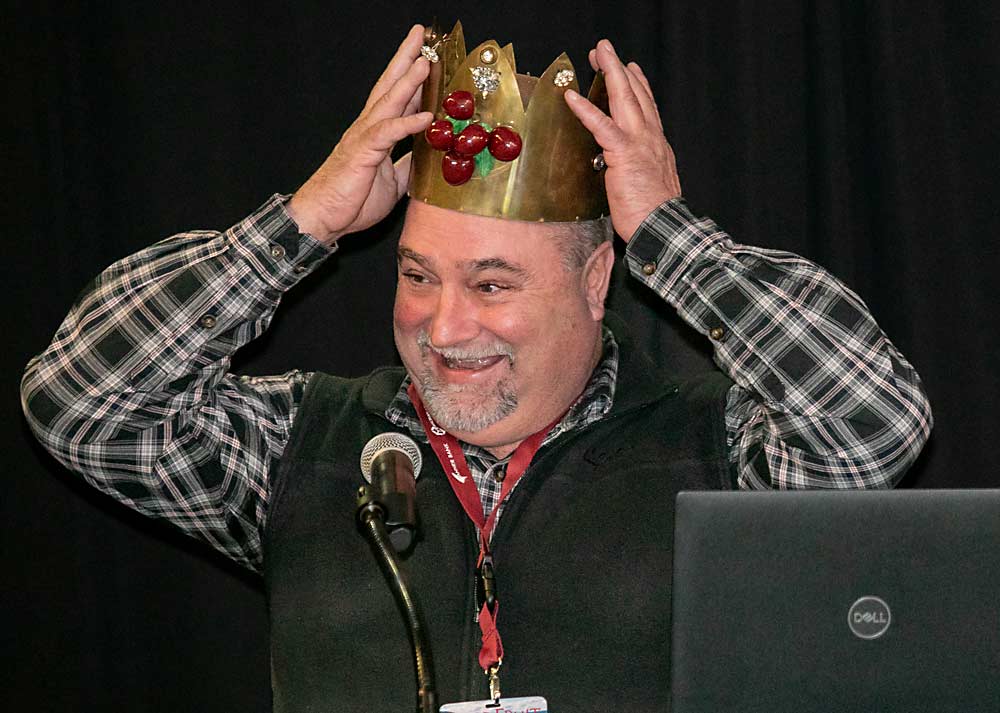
{"x":486,"y":79}
{"x":563,"y":77}
{"x":429,"y":53}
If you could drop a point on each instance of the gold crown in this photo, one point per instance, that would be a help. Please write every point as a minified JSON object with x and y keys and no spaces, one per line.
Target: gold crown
{"x":558,"y":173}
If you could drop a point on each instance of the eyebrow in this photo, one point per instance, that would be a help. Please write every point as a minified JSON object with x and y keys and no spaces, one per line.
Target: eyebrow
{"x":402,"y":253}
{"x":488,"y":263}
{"x":496,"y":263}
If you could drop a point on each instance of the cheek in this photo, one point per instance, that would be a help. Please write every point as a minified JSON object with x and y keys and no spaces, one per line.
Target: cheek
{"x":513,"y":325}
{"x":408,"y":314}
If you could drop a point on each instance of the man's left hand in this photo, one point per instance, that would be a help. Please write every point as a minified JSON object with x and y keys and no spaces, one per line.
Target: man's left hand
{"x":641,"y":170}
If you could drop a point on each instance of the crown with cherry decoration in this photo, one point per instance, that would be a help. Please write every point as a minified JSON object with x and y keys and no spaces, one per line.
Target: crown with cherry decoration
{"x":503,"y":144}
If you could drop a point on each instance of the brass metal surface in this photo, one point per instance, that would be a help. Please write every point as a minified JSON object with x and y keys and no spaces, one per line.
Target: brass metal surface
{"x":553,"y":179}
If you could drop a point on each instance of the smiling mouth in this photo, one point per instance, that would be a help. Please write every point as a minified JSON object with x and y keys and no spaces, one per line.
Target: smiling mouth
{"x":472,"y":364}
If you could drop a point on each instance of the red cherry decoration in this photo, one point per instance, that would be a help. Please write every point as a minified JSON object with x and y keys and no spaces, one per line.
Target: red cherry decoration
{"x":440,"y":135}
{"x":505,"y":143}
{"x":472,"y":140}
{"x":456,"y":168}
{"x":459,"y":105}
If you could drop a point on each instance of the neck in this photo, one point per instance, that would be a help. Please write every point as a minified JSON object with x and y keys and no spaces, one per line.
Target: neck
{"x":501,"y":452}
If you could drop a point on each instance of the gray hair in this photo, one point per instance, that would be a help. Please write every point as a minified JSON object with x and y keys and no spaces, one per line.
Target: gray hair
{"x":579,"y":240}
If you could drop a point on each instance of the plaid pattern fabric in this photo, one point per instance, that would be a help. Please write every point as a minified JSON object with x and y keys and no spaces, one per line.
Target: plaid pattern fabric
{"x":133,"y":392}
{"x":822,"y":398}
{"x":488,"y":472}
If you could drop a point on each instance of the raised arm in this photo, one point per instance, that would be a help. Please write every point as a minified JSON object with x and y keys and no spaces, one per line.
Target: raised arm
{"x":821,"y":398}
{"x":133,"y":392}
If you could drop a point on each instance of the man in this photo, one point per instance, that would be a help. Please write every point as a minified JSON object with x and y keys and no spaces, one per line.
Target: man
{"x":575,"y":445}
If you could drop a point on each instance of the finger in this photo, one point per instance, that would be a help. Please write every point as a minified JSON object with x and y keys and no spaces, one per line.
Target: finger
{"x":592,"y":56}
{"x":400,"y":63}
{"x":402,"y":171}
{"x":414,"y":103}
{"x":642,"y":96}
{"x":394,"y":102}
{"x":624,"y":105}
{"x":606,"y":132}
{"x":382,"y":136}
{"x":641,"y":76}
{"x":634,"y":66}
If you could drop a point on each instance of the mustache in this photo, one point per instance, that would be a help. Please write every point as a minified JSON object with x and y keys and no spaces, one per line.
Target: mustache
{"x":464,"y":352}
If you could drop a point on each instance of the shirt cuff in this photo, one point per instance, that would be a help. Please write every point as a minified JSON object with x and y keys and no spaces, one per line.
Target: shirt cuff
{"x":666,"y":244}
{"x":271,"y":243}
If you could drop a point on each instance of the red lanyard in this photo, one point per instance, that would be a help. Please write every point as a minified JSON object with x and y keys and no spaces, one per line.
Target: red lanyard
{"x":449,"y":452}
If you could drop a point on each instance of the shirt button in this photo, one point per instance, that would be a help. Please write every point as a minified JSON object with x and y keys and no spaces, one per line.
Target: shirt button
{"x":277,"y":252}
{"x":499,"y":475}
{"x":299,"y":269}
{"x":717,"y":333}
{"x":207,"y":321}
{"x":649,"y":268}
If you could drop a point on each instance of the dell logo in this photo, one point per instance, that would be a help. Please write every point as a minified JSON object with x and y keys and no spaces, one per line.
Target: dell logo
{"x":869,"y":617}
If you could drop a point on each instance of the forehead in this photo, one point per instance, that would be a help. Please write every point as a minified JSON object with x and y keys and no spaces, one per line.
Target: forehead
{"x":450,"y":236}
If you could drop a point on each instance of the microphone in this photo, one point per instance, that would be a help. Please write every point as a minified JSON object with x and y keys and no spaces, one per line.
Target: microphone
{"x":387,"y":517}
{"x":391,"y":462}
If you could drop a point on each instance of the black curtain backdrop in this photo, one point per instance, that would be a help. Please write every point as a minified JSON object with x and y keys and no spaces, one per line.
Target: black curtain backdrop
{"x":860,"y":135}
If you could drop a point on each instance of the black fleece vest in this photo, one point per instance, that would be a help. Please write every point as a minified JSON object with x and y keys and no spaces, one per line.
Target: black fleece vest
{"x":583,"y":555}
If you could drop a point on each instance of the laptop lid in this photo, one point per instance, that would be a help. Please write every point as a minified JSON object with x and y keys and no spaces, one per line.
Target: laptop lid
{"x":837,"y":601}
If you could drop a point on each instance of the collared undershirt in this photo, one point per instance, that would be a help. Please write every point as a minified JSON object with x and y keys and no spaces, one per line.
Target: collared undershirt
{"x":487,"y":470}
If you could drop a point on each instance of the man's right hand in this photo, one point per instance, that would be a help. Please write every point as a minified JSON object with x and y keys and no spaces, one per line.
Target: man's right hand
{"x":358,"y":184}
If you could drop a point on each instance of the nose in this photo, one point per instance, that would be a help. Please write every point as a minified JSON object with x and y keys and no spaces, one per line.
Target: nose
{"x":454,"y":321}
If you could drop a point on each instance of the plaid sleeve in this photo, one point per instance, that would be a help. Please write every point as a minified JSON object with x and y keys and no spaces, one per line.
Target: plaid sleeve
{"x":822,"y":399}
{"x":133,"y":392}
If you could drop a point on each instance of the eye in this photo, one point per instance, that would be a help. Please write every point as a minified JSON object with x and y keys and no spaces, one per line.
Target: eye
{"x":415,"y":277}
{"x":490,"y":288}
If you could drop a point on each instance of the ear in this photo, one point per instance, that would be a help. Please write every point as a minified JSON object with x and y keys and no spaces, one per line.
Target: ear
{"x":596,"y":277}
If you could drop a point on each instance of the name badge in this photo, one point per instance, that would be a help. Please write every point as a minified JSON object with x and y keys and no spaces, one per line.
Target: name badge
{"x":525,"y":704}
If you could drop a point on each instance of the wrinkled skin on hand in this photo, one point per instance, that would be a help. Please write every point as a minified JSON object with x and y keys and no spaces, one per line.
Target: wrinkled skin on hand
{"x":358,"y":185}
{"x":641,"y":169}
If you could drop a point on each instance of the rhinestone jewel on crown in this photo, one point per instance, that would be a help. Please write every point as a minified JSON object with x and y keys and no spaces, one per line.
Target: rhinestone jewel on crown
{"x":486,"y":79}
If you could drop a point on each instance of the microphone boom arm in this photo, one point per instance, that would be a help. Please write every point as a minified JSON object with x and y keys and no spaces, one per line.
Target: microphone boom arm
{"x":371,"y":522}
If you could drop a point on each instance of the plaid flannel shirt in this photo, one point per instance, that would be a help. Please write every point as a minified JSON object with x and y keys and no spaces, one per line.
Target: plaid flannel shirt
{"x":134,"y":391}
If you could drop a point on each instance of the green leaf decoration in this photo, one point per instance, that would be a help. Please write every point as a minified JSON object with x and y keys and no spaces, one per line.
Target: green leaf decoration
{"x":458,"y":124}
{"x":484,"y":162}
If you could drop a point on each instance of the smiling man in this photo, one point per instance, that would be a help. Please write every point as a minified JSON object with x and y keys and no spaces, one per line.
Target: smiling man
{"x":499,"y":336}
{"x":568,"y":442}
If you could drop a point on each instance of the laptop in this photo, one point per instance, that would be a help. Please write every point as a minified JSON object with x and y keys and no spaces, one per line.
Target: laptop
{"x":836,"y":601}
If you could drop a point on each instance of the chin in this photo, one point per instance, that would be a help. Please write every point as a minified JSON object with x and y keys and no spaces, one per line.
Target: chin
{"x":465,"y":409}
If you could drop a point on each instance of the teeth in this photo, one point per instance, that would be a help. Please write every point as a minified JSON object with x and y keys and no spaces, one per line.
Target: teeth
{"x":469,"y":363}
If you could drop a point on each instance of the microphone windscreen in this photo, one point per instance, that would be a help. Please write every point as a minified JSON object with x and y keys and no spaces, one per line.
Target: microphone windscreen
{"x":390,"y":442}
